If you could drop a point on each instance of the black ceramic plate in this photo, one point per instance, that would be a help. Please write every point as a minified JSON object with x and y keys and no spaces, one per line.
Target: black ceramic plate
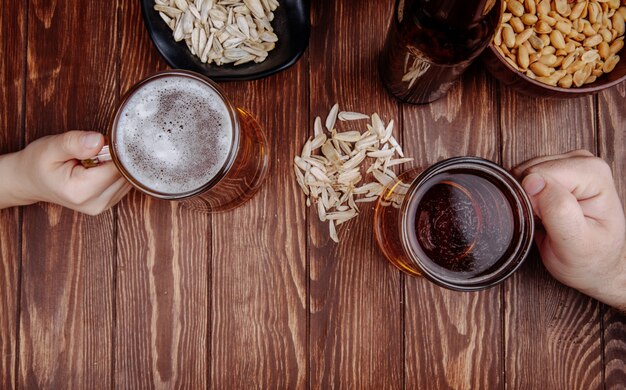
{"x":291,"y":24}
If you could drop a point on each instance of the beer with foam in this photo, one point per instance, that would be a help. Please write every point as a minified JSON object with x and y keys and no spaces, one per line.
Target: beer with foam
{"x":177,"y":137}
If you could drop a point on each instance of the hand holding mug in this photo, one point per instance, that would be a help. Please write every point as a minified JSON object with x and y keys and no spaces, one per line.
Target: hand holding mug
{"x":575,"y":198}
{"x":49,"y":170}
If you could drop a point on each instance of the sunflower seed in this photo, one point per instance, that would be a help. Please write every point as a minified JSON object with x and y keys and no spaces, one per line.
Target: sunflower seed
{"x":395,"y":144}
{"x":377,"y":125}
{"x":333,"y":231}
{"x":319,"y":175}
{"x":348,"y":136}
{"x":364,"y":189}
{"x":306,"y":150}
{"x":354,"y":161}
{"x":300,"y":163}
{"x":318,"y":141}
{"x":332,"y":117}
{"x":350,"y":177}
{"x":381,"y":153}
{"x":181,"y":4}
{"x":165,"y":18}
{"x":367,"y":199}
{"x":352,"y":116}
{"x":317,"y":127}
{"x":399,"y":161}
{"x":366,"y":142}
{"x":382,"y":178}
{"x":172,"y":12}
{"x":321,"y":211}
{"x":268,"y":36}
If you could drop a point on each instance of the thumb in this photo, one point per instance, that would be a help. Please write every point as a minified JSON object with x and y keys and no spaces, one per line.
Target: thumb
{"x":557,"y":208}
{"x":78,"y":145}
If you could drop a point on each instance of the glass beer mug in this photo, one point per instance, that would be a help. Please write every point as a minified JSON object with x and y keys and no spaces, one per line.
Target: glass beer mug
{"x":175,"y":136}
{"x":465,"y":223}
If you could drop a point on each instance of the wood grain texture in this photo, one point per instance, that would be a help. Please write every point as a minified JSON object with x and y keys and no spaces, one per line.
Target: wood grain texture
{"x":162,"y":290}
{"x":66,"y":298}
{"x":162,"y":296}
{"x":258,"y":337}
{"x":552,"y":332}
{"x":612,"y":147}
{"x":66,"y":305}
{"x":155,"y":296}
{"x":12,"y":66}
{"x":453,"y":340}
{"x":355,"y":298}
{"x":67,"y":267}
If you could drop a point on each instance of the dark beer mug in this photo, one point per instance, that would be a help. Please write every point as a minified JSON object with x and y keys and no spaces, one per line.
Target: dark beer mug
{"x":465,"y":223}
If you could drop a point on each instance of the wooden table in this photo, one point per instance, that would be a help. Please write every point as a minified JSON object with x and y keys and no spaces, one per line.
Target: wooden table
{"x":149,"y":295}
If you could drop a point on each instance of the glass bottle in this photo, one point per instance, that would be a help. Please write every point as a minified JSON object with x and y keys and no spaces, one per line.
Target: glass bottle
{"x":432,"y":42}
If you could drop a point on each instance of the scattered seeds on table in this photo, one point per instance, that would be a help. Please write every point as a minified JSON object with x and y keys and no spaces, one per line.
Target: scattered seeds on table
{"x":329,"y":168}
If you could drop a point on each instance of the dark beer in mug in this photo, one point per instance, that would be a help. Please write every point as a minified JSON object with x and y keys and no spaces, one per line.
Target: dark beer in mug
{"x":464,"y":223}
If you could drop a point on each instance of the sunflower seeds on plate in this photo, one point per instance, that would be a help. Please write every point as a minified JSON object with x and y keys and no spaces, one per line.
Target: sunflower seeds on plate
{"x":222,"y":31}
{"x":329,"y":168}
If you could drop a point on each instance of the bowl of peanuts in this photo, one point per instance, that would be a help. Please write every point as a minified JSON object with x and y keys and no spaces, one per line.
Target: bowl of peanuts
{"x":559,"y":48}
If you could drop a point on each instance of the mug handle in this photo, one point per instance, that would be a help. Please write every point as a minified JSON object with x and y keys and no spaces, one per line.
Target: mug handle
{"x":103,"y":155}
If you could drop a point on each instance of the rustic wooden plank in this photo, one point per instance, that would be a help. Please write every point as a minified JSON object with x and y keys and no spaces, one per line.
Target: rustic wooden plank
{"x":68,"y":258}
{"x":453,"y":340}
{"x":12,"y":66}
{"x":162,"y":295}
{"x":552,"y":332}
{"x":612,"y":144}
{"x":162,"y":292}
{"x":259,"y":330}
{"x":355,"y":295}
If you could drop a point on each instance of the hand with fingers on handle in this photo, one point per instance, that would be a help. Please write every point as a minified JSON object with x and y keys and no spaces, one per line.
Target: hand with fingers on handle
{"x":49,"y":170}
{"x":583,"y":245}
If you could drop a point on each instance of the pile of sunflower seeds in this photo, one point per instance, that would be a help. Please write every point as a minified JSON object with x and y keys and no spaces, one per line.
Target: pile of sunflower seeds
{"x":329,"y":168}
{"x":222,"y":31}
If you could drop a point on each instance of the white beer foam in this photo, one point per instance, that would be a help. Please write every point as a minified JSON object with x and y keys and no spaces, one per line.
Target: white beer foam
{"x":174,"y":134}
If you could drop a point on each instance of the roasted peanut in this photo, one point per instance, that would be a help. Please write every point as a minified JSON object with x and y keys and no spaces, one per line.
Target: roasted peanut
{"x":610,"y":64}
{"x":529,"y":19}
{"x":557,"y":40}
{"x":508,"y":37}
{"x":541,"y":70}
{"x":515,"y":7}
{"x":522,"y":57}
{"x":523,"y":36}
{"x":566,"y":81}
{"x":517,"y":25}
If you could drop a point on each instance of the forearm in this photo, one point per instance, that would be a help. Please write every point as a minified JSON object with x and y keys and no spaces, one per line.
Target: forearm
{"x":11,"y":193}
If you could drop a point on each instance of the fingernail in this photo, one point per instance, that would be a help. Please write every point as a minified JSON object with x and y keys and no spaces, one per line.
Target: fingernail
{"x":91,"y":140}
{"x":533,"y":184}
